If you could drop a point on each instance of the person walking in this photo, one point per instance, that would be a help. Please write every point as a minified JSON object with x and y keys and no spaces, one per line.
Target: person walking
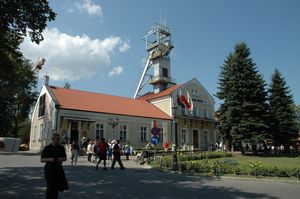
{"x":53,"y":155}
{"x":89,"y":151}
{"x":127,"y":151}
{"x":117,"y":155}
{"x":102,"y":153}
{"x":109,"y":152}
{"x":74,"y":152}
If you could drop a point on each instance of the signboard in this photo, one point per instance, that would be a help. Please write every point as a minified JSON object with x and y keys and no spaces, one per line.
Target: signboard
{"x":154,"y":140}
{"x":155,"y":131}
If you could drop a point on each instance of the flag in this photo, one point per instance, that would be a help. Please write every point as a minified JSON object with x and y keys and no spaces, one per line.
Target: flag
{"x":190,"y":101}
{"x":184,"y":101}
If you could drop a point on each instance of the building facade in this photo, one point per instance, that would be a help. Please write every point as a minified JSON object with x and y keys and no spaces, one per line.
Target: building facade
{"x":78,"y":114}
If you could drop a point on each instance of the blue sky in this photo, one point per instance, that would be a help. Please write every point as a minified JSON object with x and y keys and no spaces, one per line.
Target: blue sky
{"x":97,"y":45}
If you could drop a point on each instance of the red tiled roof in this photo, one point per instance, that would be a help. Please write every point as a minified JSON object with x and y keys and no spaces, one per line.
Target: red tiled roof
{"x":103,"y":103}
{"x":151,"y":95}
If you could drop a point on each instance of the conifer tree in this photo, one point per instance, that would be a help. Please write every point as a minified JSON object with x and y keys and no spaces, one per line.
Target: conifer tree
{"x":223,"y":91}
{"x":283,"y":119}
{"x":242,"y":90}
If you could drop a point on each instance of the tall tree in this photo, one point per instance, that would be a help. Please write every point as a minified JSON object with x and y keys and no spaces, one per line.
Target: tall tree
{"x":17,"y":19}
{"x":223,"y":94}
{"x":24,"y":97}
{"x":283,"y":119}
{"x":244,"y":96}
{"x":297,"y":112}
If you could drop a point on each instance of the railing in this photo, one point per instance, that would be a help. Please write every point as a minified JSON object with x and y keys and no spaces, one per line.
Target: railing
{"x":158,"y":78}
{"x":183,"y":112}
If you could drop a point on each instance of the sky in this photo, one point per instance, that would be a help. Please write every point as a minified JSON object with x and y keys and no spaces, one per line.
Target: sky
{"x":97,"y":45}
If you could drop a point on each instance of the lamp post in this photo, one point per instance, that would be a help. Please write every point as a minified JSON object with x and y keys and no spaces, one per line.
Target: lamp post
{"x":175,"y":141}
{"x":113,"y":122}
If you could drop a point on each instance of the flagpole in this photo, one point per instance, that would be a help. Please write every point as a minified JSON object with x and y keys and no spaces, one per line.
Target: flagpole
{"x":174,"y":129}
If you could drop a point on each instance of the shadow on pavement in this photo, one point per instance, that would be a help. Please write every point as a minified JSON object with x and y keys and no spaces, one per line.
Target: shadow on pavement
{"x":21,"y":153}
{"x":86,"y":182}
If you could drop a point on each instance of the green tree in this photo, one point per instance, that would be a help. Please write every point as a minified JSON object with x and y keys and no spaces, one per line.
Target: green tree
{"x":297,"y":114}
{"x":242,"y":90}
{"x":22,"y":17}
{"x":223,"y":94}
{"x":283,"y":119}
{"x":17,"y":19}
{"x":23,"y":98}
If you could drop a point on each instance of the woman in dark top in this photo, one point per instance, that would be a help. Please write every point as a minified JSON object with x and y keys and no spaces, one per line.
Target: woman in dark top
{"x":53,"y":155}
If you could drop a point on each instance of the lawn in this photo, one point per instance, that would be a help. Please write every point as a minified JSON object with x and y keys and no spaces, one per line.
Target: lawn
{"x":279,"y":161}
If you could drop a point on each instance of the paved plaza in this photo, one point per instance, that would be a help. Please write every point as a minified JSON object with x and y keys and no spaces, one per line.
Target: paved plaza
{"x":21,"y":176}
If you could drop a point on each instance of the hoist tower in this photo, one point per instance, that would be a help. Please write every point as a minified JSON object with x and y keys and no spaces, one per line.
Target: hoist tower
{"x":158,"y":46}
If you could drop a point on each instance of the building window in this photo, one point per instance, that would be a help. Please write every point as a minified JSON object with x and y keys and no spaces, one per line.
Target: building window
{"x":161,"y":135}
{"x":165,"y":72}
{"x":205,"y":113}
{"x":143,"y":134}
{"x":184,"y":136}
{"x":99,"y":131}
{"x":123,"y":132}
{"x":42,"y":105}
{"x":182,"y":110}
{"x":195,"y":112}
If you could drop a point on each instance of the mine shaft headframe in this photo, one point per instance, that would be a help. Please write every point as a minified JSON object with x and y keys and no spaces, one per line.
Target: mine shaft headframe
{"x":158,"y":41}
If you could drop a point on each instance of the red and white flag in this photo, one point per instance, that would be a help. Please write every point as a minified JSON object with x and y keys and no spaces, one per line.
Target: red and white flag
{"x":187,"y":101}
{"x":190,"y":101}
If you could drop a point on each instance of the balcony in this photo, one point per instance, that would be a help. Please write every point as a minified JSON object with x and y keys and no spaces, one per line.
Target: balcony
{"x":161,"y":79}
{"x":195,"y":114}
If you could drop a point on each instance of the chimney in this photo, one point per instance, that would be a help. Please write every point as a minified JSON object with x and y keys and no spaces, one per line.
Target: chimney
{"x":46,"y":80}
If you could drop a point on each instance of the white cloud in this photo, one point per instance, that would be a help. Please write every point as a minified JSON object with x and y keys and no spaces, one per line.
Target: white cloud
{"x":72,"y":57}
{"x":116,"y":71}
{"x":124,"y":47}
{"x":87,"y":6}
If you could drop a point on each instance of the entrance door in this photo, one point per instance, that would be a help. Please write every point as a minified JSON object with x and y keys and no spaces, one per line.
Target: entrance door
{"x":74,"y":131}
{"x":195,"y":139}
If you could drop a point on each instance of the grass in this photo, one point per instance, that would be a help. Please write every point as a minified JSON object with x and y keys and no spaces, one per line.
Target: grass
{"x":267,"y":161}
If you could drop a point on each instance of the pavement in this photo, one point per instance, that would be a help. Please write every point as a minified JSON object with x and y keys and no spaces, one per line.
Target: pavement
{"x":21,"y":176}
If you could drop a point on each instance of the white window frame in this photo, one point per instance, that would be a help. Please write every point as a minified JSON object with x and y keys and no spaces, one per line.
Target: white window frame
{"x":143,"y":134}
{"x":99,"y":131}
{"x":123,"y":132}
{"x":184,"y":136}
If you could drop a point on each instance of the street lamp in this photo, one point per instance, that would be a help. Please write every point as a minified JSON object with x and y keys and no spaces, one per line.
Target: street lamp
{"x":113,"y":122}
{"x":175,"y":141}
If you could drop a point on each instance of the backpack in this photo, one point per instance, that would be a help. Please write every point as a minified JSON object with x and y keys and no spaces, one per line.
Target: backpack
{"x":116,"y":147}
{"x":116,"y":150}
{"x":102,"y":147}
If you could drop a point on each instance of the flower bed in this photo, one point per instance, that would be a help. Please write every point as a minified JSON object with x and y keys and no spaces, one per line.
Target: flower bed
{"x":207,"y":163}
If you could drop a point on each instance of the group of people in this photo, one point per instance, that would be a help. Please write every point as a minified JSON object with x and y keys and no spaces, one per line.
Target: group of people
{"x":54,"y":154}
{"x":104,"y":149}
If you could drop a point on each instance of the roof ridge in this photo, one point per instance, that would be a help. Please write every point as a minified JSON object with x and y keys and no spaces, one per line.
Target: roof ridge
{"x":93,"y":92}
